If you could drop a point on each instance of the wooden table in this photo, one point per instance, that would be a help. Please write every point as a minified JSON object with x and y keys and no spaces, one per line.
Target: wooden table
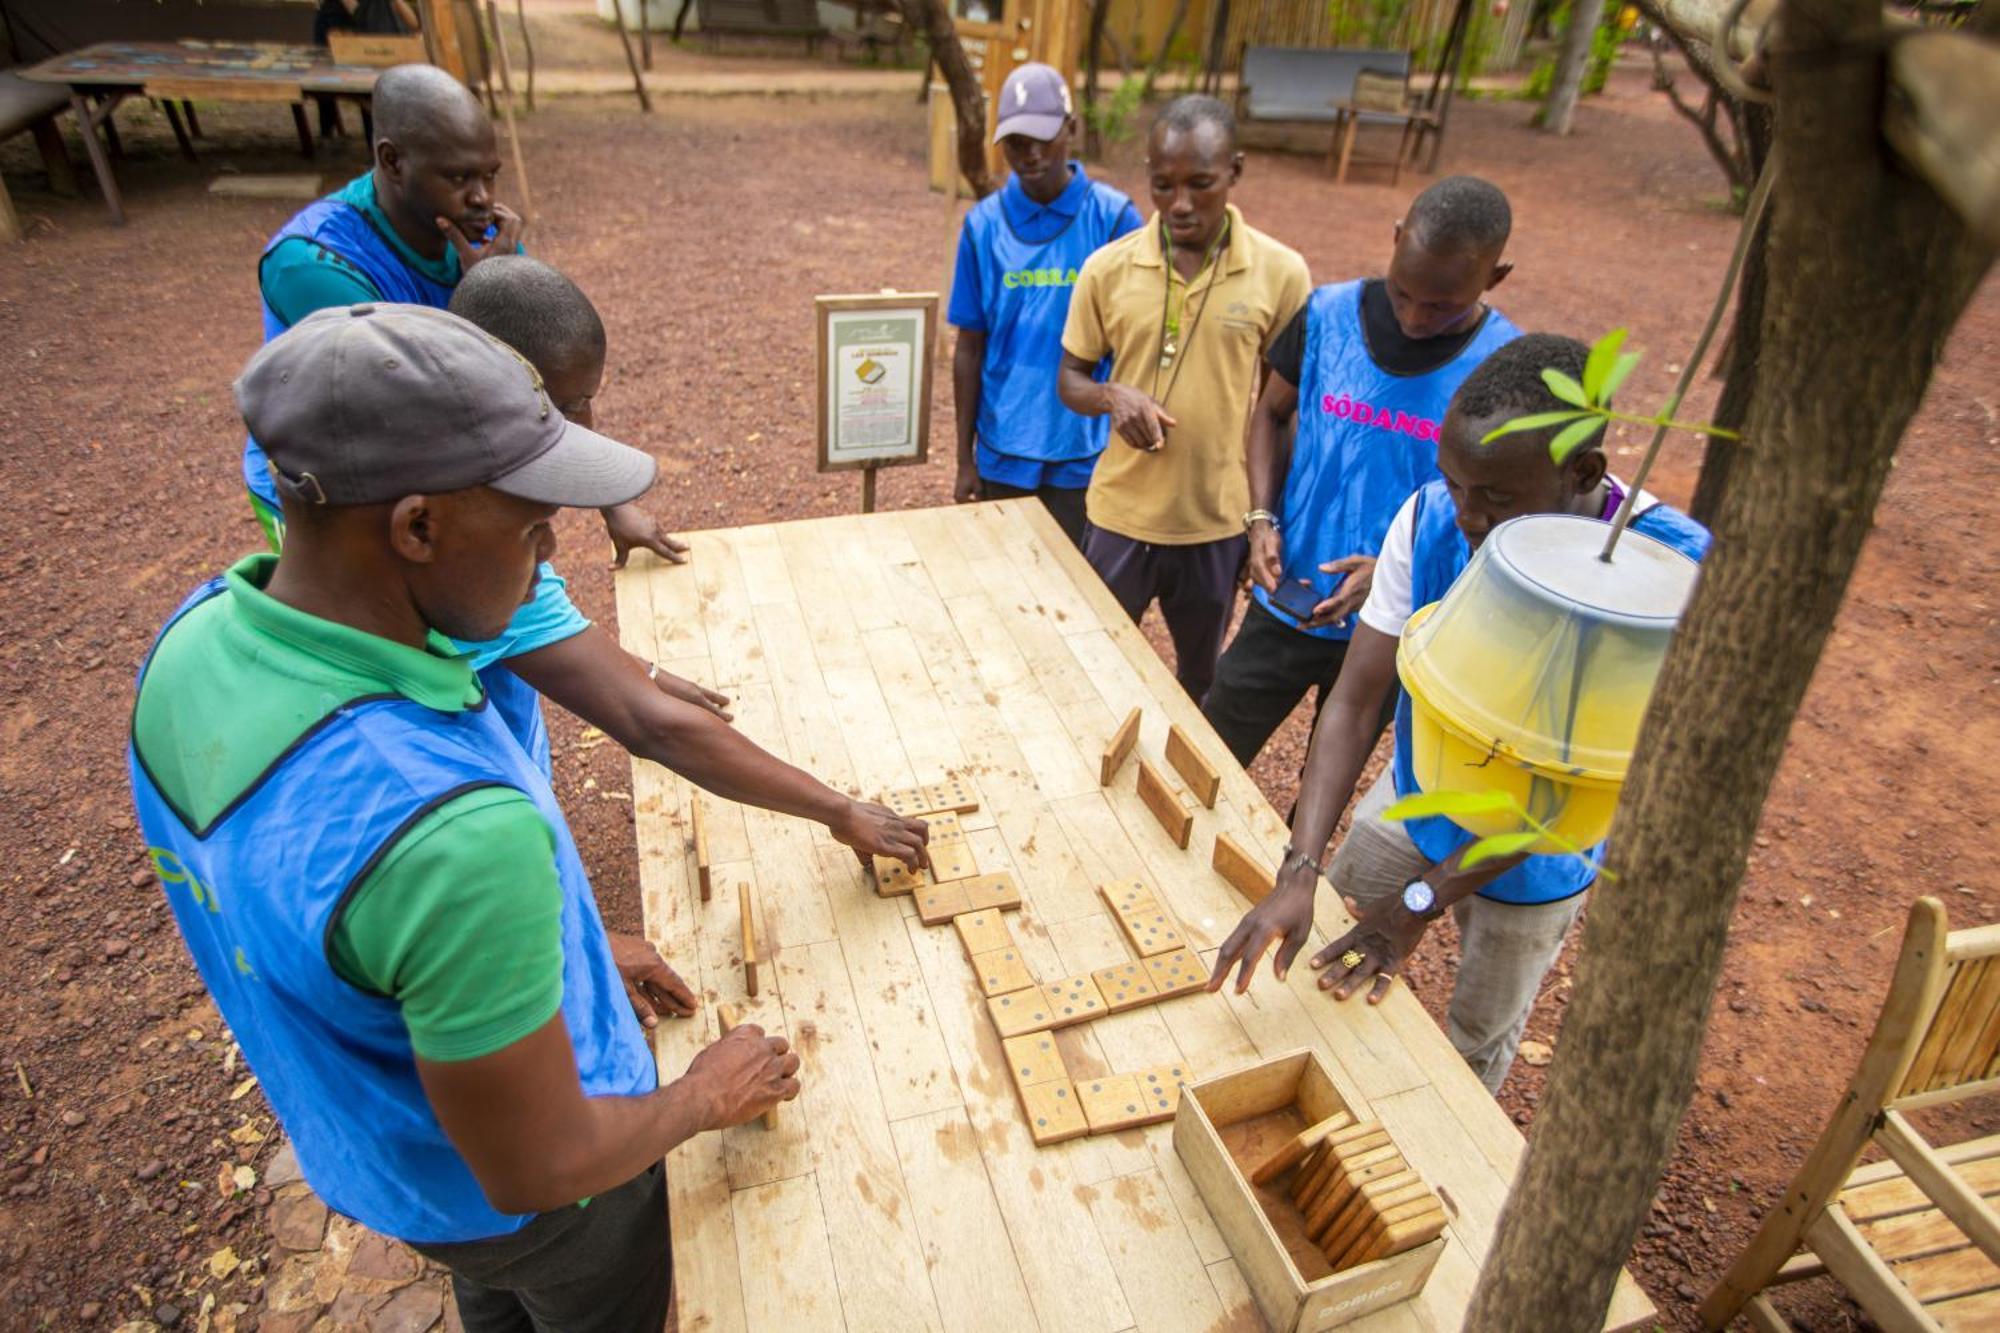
{"x":102,"y":75}
{"x":902,"y":1191}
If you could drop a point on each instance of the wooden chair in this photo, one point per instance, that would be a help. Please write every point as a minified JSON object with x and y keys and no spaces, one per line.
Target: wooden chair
{"x":1379,"y":97}
{"x":1915,"y":1239}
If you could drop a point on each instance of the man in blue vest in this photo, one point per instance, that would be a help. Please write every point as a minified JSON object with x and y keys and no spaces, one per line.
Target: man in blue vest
{"x":407,"y":230}
{"x":1512,"y":912}
{"x":374,"y":879}
{"x":1367,"y":369}
{"x":1018,"y":257}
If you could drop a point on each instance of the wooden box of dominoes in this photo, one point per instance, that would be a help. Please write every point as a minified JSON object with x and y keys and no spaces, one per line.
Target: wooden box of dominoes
{"x":1325,"y":1218}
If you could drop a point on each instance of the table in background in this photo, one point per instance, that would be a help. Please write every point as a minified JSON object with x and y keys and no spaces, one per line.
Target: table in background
{"x":106,"y":73}
{"x":902,"y":1190}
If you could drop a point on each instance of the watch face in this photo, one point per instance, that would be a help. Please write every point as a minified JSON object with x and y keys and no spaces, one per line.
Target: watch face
{"x":1419,"y":898}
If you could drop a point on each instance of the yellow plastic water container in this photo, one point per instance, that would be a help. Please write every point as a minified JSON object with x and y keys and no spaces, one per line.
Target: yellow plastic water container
{"x":1532,"y":675}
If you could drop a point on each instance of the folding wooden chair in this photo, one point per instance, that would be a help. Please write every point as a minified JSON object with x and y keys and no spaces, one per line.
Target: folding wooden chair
{"x":1915,"y":1239}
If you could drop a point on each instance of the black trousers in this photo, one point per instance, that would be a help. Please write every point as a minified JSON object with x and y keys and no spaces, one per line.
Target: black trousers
{"x":603,"y":1267}
{"x":1265,"y":671}
{"x":1064,"y":503}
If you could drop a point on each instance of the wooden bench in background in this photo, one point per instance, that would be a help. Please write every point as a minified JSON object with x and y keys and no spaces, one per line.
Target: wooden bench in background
{"x":33,"y":107}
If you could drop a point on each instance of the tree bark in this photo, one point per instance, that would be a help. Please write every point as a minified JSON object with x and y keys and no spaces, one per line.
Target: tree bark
{"x":1093,"y":141}
{"x":933,"y":19}
{"x":1572,"y":62}
{"x":1857,"y":247}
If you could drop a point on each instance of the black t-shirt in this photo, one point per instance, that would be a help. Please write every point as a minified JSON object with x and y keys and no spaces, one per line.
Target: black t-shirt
{"x":1388,"y":346}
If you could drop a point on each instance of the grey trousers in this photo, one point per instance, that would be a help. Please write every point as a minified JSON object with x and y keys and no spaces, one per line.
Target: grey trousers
{"x":1506,"y":948}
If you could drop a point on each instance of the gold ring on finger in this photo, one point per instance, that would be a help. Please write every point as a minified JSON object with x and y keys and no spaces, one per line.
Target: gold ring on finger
{"x":1351,"y":959}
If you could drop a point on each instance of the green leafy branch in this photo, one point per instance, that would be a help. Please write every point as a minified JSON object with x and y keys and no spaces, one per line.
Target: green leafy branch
{"x":1475,"y":803}
{"x":1606,"y":370}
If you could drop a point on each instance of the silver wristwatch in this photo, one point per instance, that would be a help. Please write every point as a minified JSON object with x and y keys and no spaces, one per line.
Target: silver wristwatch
{"x":1420,"y":900}
{"x":1250,"y":519}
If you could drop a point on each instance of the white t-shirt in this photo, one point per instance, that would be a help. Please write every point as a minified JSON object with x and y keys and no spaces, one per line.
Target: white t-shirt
{"x":1388,"y":605}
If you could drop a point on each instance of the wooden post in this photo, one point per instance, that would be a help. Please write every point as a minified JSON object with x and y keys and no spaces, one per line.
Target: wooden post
{"x":528,"y":45}
{"x":441,"y":37}
{"x":747,"y":903}
{"x":645,"y":37}
{"x":507,"y":107}
{"x":10,"y":225}
{"x":868,"y":489}
{"x":631,"y":60}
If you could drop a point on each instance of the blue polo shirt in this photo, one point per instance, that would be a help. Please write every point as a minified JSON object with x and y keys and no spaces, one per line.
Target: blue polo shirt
{"x":1017,"y":261}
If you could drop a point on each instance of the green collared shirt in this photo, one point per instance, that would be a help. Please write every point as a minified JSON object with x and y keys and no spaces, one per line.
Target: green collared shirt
{"x":461,"y":920}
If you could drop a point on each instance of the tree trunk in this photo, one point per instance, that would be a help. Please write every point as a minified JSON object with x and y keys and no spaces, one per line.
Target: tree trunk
{"x":1513,"y":35}
{"x":1093,"y":141}
{"x":968,"y":99}
{"x":1572,"y":63}
{"x":1857,"y":247}
{"x":1165,"y":49}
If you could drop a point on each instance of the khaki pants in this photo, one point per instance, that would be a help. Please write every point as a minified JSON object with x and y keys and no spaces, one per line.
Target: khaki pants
{"x":1506,"y":948}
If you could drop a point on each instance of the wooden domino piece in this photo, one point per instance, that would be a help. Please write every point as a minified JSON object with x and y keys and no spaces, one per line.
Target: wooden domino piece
{"x":1112,"y":1103}
{"x":726,"y":1017}
{"x":997,"y":891}
{"x":939,"y":903}
{"x":893,"y":878}
{"x":1161,"y":1087}
{"x":749,"y":909}
{"x":906,"y":801}
{"x":1176,"y":973}
{"x":1073,"y":1000}
{"x":952,"y":859}
{"x":1002,"y":970}
{"x":1115,"y":749}
{"x":701,"y":867}
{"x":1346,"y":1240}
{"x":1126,"y":986}
{"x":1126,"y":895}
{"x":1294,"y":1149}
{"x":1244,"y":872}
{"x":1165,"y":803}
{"x":1151,"y":930}
{"x":1019,"y":1012}
{"x":1417,"y":1224}
{"x":1351,"y":1171}
{"x":1194,"y":768}
{"x":1053,"y":1112}
{"x":1033,"y":1059}
{"x":982,"y":932}
{"x":1346,"y":1222}
{"x":1314,"y":1168}
{"x":953,"y":794}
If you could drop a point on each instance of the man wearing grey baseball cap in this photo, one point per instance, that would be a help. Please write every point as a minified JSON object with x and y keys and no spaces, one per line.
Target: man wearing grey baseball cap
{"x":373,"y":876}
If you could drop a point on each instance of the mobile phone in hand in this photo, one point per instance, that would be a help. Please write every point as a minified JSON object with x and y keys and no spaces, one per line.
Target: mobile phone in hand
{"x":1297,"y":598}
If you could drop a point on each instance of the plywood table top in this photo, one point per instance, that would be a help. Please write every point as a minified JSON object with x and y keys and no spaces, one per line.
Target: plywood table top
{"x":901,"y":1191}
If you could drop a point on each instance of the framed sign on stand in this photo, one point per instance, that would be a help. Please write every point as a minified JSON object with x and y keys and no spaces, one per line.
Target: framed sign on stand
{"x":876,"y":356}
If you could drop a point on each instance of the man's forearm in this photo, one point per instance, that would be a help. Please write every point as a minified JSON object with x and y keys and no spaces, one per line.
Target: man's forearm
{"x":1080,"y":393}
{"x":968,"y":360}
{"x":1341,"y":743}
{"x":1270,"y":458}
{"x":718,"y":758}
{"x":616,"y":1139}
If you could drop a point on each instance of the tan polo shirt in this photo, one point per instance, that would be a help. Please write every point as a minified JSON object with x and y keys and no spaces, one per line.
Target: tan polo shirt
{"x":1195,"y":488}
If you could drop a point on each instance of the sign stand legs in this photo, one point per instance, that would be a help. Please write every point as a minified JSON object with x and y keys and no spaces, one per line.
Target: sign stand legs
{"x":868,"y":489}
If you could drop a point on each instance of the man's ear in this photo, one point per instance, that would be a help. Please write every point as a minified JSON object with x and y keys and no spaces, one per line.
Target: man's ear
{"x":1500,"y":272}
{"x":1586,"y":468}
{"x":390,"y":159}
{"x":1235,"y":167}
{"x":413,"y":528}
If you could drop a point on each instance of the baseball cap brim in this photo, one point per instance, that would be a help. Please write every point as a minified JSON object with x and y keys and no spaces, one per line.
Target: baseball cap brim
{"x":581,"y":470}
{"x":1043,"y":127}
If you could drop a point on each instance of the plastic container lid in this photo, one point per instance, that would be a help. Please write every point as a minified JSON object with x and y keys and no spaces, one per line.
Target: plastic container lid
{"x":1547,"y":652}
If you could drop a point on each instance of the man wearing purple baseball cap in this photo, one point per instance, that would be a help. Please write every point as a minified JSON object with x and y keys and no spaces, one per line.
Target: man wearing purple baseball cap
{"x":1018,"y":257}
{"x":372,"y":874}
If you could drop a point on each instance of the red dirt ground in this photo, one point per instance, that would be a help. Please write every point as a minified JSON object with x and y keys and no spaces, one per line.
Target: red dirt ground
{"x":703,"y":233}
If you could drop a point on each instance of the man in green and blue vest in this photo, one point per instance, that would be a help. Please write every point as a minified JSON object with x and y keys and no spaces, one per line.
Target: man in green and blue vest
{"x":1018,"y":257}
{"x":372,"y":875}
{"x":1513,"y":911}
{"x":1366,"y":371}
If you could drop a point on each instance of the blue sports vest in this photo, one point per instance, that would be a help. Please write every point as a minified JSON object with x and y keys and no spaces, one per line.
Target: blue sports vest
{"x":338,"y":226}
{"x":1366,"y":439}
{"x":1439,"y":554}
{"x":255,"y":895}
{"x":1024,"y":291}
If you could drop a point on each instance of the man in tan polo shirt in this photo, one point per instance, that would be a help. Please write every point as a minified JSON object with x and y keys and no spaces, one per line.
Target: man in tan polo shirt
{"x":1185,"y":308}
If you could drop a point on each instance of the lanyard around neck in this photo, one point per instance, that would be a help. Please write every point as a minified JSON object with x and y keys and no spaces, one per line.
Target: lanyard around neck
{"x":1172,"y":346}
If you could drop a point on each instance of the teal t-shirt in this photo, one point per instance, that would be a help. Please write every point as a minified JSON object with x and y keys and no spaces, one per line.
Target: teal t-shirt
{"x":298,"y":277}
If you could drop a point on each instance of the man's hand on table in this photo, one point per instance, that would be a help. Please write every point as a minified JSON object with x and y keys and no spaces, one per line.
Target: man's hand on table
{"x":742,"y":1076}
{"x":508,"y":229}
{"x":652,"y":986}
{"x":1382,"y":940}
{"x":1283,"y":918}
{"x":876,"y":830}
{"x":630,"y":527}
